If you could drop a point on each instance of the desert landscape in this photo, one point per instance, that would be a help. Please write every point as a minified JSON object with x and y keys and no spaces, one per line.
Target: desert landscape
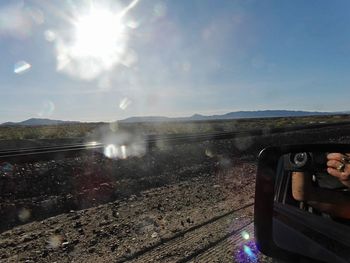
{"x":189,"y":202}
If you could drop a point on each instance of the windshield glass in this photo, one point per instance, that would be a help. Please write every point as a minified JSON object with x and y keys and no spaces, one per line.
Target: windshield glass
{"x":129,"y":129}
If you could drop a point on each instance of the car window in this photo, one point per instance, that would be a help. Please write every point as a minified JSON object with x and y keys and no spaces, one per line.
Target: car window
{"x":129,"y":130}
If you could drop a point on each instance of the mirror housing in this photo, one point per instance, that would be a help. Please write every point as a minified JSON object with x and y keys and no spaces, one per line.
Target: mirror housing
{"x":286,"y":232}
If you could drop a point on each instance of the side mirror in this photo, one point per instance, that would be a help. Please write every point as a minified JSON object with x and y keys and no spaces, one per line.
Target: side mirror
{"x":302,"y":211}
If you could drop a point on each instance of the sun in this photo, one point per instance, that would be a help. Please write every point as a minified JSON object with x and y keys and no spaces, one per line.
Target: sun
{"x":99,"y":34}
{"x":97,"y":40}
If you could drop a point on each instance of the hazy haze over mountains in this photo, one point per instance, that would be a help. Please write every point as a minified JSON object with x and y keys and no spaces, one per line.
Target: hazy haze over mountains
{"x":38,"y":122}
{"x":195,"y":117}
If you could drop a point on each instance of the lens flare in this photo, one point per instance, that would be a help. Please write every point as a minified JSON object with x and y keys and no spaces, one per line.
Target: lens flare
{"x":247,"y":253}
{"x":124,"y":103}
{"x":21,"y":67}
{"x":123,"y":152}
{"x":92,"y":143}
{"x":111,"y":151}
{"x":245,"y":235}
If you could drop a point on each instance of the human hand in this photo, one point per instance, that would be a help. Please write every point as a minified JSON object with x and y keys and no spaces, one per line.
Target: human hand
{"x":339,"y":166}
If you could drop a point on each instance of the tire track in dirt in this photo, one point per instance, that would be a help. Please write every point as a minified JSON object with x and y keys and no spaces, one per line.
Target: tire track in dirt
{"x":197,"y":239}
{"x":229,"y":249}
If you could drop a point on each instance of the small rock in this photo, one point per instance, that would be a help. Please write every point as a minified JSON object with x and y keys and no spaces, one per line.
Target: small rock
{"x":115,"y":214}
{"x":45,"y":253}
{"x":65,"y":244}
{"x":77,"y":224}
{"x":93,"y":242}
{"x":154,"y":235}
{"x":103,"y":223}
{"x":75,"y":217}
{"x":114,"y":247}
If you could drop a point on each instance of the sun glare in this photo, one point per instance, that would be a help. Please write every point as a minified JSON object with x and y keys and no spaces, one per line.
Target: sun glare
{"x":99,"y":35}
{"x":97,"y":43}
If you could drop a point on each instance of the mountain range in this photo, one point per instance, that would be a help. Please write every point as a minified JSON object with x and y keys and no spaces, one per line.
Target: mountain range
{"x":195,"y":117}
{"x":37,"y":122}
{"x":232,"y":115}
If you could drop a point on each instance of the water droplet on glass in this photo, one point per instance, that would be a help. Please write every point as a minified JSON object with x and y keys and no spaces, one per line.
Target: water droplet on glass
{"x":37,"y":15}
{"x":113,"y":126}
{"x":55,"y":241}
{"x":160,"y":9}
{"x":50,"y":35}
{"x":243,"y":143}
{"x":24,"y":214}
{"x":48,"y":107}
{"x":133,"y":24}
{"x":209,"y":153}
{"x":6,"y":167}
{"x":130,"y":58}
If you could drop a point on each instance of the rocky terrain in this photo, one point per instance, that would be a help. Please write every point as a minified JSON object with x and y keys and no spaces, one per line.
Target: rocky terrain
{"x":165,"y":224}
{"x":184,"y":203}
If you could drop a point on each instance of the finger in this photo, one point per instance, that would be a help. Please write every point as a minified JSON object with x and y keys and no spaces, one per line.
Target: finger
{"x":335,"y":156}
{"x":333,"y":163}
{"x":334,"y":172}
{"x":342,"y":176}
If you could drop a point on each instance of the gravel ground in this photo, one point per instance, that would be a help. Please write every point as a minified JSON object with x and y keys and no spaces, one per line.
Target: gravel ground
{"x":141,"y":226}
{"x":175,"y":204}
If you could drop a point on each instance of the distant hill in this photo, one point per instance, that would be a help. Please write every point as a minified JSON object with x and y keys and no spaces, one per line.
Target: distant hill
{"x":147,"y":119}
{"x":233,"y":115}
{"x":37,"y":122}
{"x":195,"y":117}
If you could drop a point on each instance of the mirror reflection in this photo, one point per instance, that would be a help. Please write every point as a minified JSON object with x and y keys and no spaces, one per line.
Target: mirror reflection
{"x":320,"y":183}
{"x":312,"y":204}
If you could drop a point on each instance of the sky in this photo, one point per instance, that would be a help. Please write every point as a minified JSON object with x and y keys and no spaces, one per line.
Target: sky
{"x":108,"y":60}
